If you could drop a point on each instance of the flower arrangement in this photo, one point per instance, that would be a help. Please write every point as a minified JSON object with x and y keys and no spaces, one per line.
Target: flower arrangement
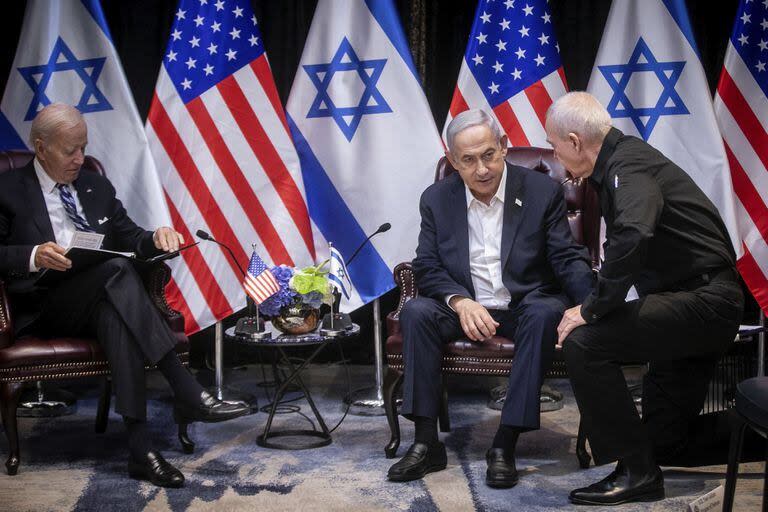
{"x":306,"y":288}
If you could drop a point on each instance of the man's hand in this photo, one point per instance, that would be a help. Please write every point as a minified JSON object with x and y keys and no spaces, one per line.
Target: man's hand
{"x":476,"y":322}
{"x":571,"y":319}
{"x":51,"y":255}
{"x":167,"y":239}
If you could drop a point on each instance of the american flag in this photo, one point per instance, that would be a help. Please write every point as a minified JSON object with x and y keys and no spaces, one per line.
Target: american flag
{"x":219,"y":136}
{"x":741,"y":107}
{"x":260,"y":283}
{"x":511,"y":68}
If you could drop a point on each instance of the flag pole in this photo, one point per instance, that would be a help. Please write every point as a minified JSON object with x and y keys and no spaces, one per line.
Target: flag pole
{"x":370,"y":401}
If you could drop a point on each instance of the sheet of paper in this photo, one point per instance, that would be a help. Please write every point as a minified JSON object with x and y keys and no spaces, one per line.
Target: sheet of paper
{"x":86,"y":240}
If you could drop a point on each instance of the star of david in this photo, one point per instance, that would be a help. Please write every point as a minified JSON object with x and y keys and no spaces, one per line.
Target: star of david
{"x":63,"y":59}
{"x":371,"y":101}
{"x":669,"y":103}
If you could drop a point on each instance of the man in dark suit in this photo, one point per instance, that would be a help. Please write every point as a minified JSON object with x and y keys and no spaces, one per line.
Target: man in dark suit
{"x":495,"y":254}
{"x":42,"y":206}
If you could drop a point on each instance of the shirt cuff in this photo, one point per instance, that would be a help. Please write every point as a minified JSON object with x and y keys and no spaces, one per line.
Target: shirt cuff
{"x":448,"y":300}
{"x":32,"y":267}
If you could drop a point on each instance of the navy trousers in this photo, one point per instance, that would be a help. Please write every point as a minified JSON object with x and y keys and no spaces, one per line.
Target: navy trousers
{"x":109,"y":302}
{"x":428,"y":324}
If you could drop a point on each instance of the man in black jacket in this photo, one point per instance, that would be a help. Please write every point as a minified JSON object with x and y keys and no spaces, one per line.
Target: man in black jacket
{"x":42,"y":206}
{"x":665,"y":237}
{"x":495,"y":254}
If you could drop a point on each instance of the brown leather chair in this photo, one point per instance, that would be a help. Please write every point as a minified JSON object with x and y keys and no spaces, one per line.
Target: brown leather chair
{"x":30,"y":358}
{"x":491,"y":357}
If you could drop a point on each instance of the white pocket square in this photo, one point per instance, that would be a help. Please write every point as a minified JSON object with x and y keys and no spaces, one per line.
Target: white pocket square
{"x":102,"y":221}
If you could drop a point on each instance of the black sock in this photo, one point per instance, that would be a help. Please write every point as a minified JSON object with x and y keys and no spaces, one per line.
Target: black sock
{"x":138,"y":437}
{"x":426,"y":430}
{"x":506,"y":438}
{"x":185,"y":387}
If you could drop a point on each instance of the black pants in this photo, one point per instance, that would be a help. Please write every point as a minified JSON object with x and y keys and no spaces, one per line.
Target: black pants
{"x":680,"y":334}
{"x":428,"y":324}
{"x":109,"y":302}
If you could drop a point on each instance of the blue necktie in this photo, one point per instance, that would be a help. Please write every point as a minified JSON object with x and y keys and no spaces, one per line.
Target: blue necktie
{"x":69,"y":205}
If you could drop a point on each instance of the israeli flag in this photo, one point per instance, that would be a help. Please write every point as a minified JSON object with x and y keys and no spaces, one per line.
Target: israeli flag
{"x":338,"y":275}
{"x":66,"y":55}
{"x":648,"y":74}
{"x":366,"y":138}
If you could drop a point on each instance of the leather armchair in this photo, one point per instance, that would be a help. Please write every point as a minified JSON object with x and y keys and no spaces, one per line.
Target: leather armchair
{"x":31,"y":358}
{"x":492,"y":357}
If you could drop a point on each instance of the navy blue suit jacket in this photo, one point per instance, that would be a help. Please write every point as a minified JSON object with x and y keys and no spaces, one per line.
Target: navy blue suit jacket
{"x":24,"y":223}
{"x":539,"y":258}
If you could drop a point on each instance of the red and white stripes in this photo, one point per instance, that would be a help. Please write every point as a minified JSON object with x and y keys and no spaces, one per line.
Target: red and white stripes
{"x":228,"y":166}
{"x":741,"y":108}
{"x":522,"y":116}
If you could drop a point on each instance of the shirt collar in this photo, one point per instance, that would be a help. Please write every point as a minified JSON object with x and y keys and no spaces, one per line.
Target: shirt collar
{"x":606,"y":151}
{"x":46,"y":183}
{"x":500,"y":192}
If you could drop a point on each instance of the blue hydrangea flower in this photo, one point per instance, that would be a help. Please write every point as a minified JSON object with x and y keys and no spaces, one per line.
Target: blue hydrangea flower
{"x":284,"y":297}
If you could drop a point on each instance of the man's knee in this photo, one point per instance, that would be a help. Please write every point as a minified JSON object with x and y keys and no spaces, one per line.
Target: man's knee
{"x":417,"y":311}
{"x":542,"y":314}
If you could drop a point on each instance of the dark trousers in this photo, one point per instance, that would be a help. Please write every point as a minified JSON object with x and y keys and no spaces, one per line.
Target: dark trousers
{"x":680,"y":334}
{"x":428,"y":324}
{"x":109,"y":302}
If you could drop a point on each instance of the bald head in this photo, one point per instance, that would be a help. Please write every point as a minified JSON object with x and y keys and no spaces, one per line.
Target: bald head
{"x":580,"y":113}
{"x":59,"y":136}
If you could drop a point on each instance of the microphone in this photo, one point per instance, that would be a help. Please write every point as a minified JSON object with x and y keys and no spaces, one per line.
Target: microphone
{"x":247,"y":326}
{"x":382,"y":229}
{"x":205,"y":236}
{"x":334,"y":324}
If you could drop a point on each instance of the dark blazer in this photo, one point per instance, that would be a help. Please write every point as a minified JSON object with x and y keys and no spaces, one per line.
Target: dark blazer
{"x":538,"y":254}
{"x":24,"y":223}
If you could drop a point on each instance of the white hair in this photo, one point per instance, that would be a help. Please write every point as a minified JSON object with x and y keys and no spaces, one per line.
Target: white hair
{"x":468,"y":119}
{"x":579,"y":112}
{"x":51,"y":119}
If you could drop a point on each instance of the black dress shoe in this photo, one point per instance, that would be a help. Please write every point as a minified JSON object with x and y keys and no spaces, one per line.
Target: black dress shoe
{"x":419,"y":460}
{"x":156,"y":469}
{"x":209,"y":410}
{"x":621,"y":487}
{"x":501,"y":473}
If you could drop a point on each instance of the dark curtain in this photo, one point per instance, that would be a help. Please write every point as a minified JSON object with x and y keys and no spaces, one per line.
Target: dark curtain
{"x":436,"y":29}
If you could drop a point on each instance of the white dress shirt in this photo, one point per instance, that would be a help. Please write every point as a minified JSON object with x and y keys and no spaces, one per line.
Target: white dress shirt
{"x":63,"y":227}
{"x":485,"y":222}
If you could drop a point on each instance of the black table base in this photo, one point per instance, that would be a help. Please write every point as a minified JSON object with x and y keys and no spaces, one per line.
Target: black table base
{"x":265,"y":440}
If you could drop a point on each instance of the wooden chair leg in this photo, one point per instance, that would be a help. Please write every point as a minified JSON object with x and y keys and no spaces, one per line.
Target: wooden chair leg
{"x":9,"y":401}
{"x":443,"y":418}
{"x":765,"y":481}
{"x":738,"y":426}
{"x":392,"y":381}
{"x":102,"y":412}
{"x":186,"y":443}
{"x":581,"y":447}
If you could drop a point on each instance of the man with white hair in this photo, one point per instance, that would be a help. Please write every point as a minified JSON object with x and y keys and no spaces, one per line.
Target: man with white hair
{"x":665,"y":237}
{"x":495,"y":254}
{"x":42,"y":206}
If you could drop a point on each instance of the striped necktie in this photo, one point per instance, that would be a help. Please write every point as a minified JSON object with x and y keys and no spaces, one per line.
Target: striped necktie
{"x":69,"y":205}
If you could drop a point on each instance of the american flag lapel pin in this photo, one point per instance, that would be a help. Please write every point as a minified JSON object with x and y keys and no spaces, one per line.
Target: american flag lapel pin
{"x":518,"y":202}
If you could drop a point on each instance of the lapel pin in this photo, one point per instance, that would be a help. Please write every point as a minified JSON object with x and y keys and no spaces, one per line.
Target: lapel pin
{"x":88,"y":191}
{"x":616,"y":181}
{"x":518,"y":202}
{"x":102,"y":221}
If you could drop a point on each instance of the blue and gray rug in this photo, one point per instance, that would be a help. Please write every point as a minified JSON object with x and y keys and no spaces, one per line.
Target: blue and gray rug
{"x":66,"y":466}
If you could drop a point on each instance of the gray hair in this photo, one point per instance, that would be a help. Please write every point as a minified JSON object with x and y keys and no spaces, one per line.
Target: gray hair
{"x":51,"y":119}
{"x":468,"y":119}
{"x":579,"y":112}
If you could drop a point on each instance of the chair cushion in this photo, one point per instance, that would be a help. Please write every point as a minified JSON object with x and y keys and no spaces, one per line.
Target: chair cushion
{"x":34,"y":351}
{"x":496,"y":346}
{"x":752,"y":400}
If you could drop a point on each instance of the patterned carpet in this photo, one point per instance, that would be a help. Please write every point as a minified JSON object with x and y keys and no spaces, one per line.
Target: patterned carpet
{"x":66,"y":466}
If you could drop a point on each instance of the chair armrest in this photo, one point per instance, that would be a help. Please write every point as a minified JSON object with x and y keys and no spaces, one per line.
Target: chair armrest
{"x":6,"y":325}
{"x":406,"y":283}
{"x":155,"y":280}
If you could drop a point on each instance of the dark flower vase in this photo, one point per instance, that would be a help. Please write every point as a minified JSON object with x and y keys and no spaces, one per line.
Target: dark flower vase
{"x":297,"y":319}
